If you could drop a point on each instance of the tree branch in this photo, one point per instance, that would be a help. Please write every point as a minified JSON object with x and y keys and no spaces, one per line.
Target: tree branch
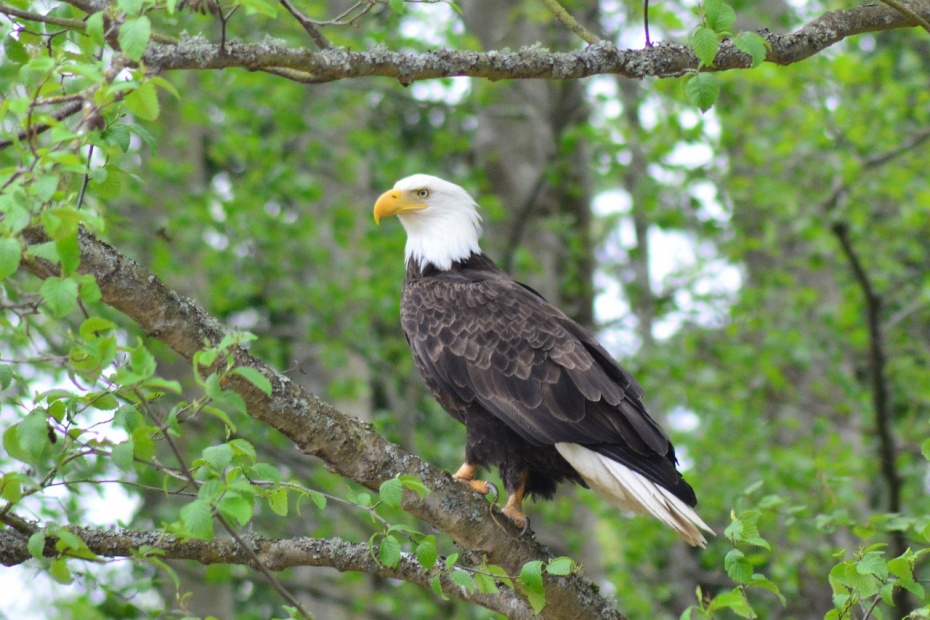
{"x":661,"y":60}
{"x":348,"y":446}
{"x":273,"y":554}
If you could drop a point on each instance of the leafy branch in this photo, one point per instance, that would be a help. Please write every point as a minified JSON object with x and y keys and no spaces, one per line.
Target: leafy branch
{"x":349,"y":447}
{"x":274,"y":554}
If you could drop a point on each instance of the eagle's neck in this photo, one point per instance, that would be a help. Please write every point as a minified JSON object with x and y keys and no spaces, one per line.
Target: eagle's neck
{"x":477,"y":261}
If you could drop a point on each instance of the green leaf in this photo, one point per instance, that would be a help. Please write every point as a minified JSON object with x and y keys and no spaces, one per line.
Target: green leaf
{"x":11,"y":251}
{"x":122,"y":455}
{"x":6,"y":376}
{"x":32,"y":434}
{"x":218,"y":457}
{"x":60,"y":572}
{"x":319,"y":499}
{"x":259,"y":6}
{"x":389,"y":551}
{"x":531,"y":578}
{"x":197,"y":519}
{"x":254,"y":377}
{"x":36,"y":544}
{"x":733,"y":600}
{"x":560,"y":566}
{"x":500,"y":574}
{"x":902,"y":568}
{"x":925,"y":449}
{"x":134,"y":38}
{"x":142,"y":442}
{"x":414,"y":484}
{"x":141,"y":361}
{"x":15,"y":51}
{"x":143,"y":102}
{"x":761,"y":582}
{"x":397,"y":6}
{"x":426,"y":552}
{"x":94,"y":27}
{"x":754,"y":45}
{"x":486,"y":584}
{"x":702,"y":90}
{"x":104,"y":401}
{"x":69,"y":251}
{"x":277,"y":501}
{"x":95,"y":326}
{"x":704,"y":42}
{"x":111,"y":185}
{"x":242,"y":447}
{"x":264,"y":471}
{"x":737,"y":566}
{"x":436,"y":584}
{"x":391,"y":492}
{"x":872,"y":563}
{"x":11,"y":487}
{"x":90,"y":292}
{"x":60,"y":295}
{"x":239,"y":507}
{"x":462,"y":579}
{"x":722,"y":19}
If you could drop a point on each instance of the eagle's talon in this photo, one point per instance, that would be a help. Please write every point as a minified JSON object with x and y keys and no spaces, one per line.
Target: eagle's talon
{"x":492,"y":493}
{"x":526,"y":525}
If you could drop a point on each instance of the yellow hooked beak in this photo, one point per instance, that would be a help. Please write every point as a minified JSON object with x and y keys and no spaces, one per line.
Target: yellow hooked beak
{"x":393,"y":202}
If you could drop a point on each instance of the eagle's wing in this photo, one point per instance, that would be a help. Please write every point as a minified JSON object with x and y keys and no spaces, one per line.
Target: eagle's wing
{"x":482,"y":337}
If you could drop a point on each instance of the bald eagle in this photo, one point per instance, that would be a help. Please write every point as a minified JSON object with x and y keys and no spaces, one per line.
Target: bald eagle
{"x":540,"y":398}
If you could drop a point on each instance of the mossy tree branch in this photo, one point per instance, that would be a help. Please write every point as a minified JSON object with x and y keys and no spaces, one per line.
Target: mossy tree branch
{"x":660,"y":60}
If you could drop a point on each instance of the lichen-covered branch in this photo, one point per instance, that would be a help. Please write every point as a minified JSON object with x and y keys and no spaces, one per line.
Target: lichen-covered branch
{"x":603,"y":57}
{"x":346,"y":445}
{"x":274,"y":554}
{"x":661,"y":60}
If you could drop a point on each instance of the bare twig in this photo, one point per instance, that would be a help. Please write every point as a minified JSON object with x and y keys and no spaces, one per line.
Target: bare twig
{"x":570,"y":22}
{"x":309,"y":25}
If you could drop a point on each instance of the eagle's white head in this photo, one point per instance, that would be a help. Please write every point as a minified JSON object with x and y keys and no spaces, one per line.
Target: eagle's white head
{"x":441,"y":219}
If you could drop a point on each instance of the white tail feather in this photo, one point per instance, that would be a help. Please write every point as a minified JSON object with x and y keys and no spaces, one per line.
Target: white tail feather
{"x":628,"y":490}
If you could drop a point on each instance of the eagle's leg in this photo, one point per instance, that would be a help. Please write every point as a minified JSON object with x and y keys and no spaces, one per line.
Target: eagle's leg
{"x":514,"y":507}
{"x":466,"y":474}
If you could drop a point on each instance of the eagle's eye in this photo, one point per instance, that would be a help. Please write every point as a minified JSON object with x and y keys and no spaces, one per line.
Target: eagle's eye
{"x":423,"y":193}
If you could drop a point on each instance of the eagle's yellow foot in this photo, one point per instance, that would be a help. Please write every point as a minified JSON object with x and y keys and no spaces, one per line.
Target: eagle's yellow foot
{"x":518,"y":517}
{"x":514,"y":508}
{"x":466,"y":474}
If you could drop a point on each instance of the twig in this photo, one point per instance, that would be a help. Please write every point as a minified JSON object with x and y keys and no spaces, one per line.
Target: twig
{"x":294,"y":75}
{"x":903,"y":8}
{"x":309,"y":25}
{"x":72,"y":24}
{"x":880,"y":159}
{"x":646,"y":22}
{"x":570,"y":22}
